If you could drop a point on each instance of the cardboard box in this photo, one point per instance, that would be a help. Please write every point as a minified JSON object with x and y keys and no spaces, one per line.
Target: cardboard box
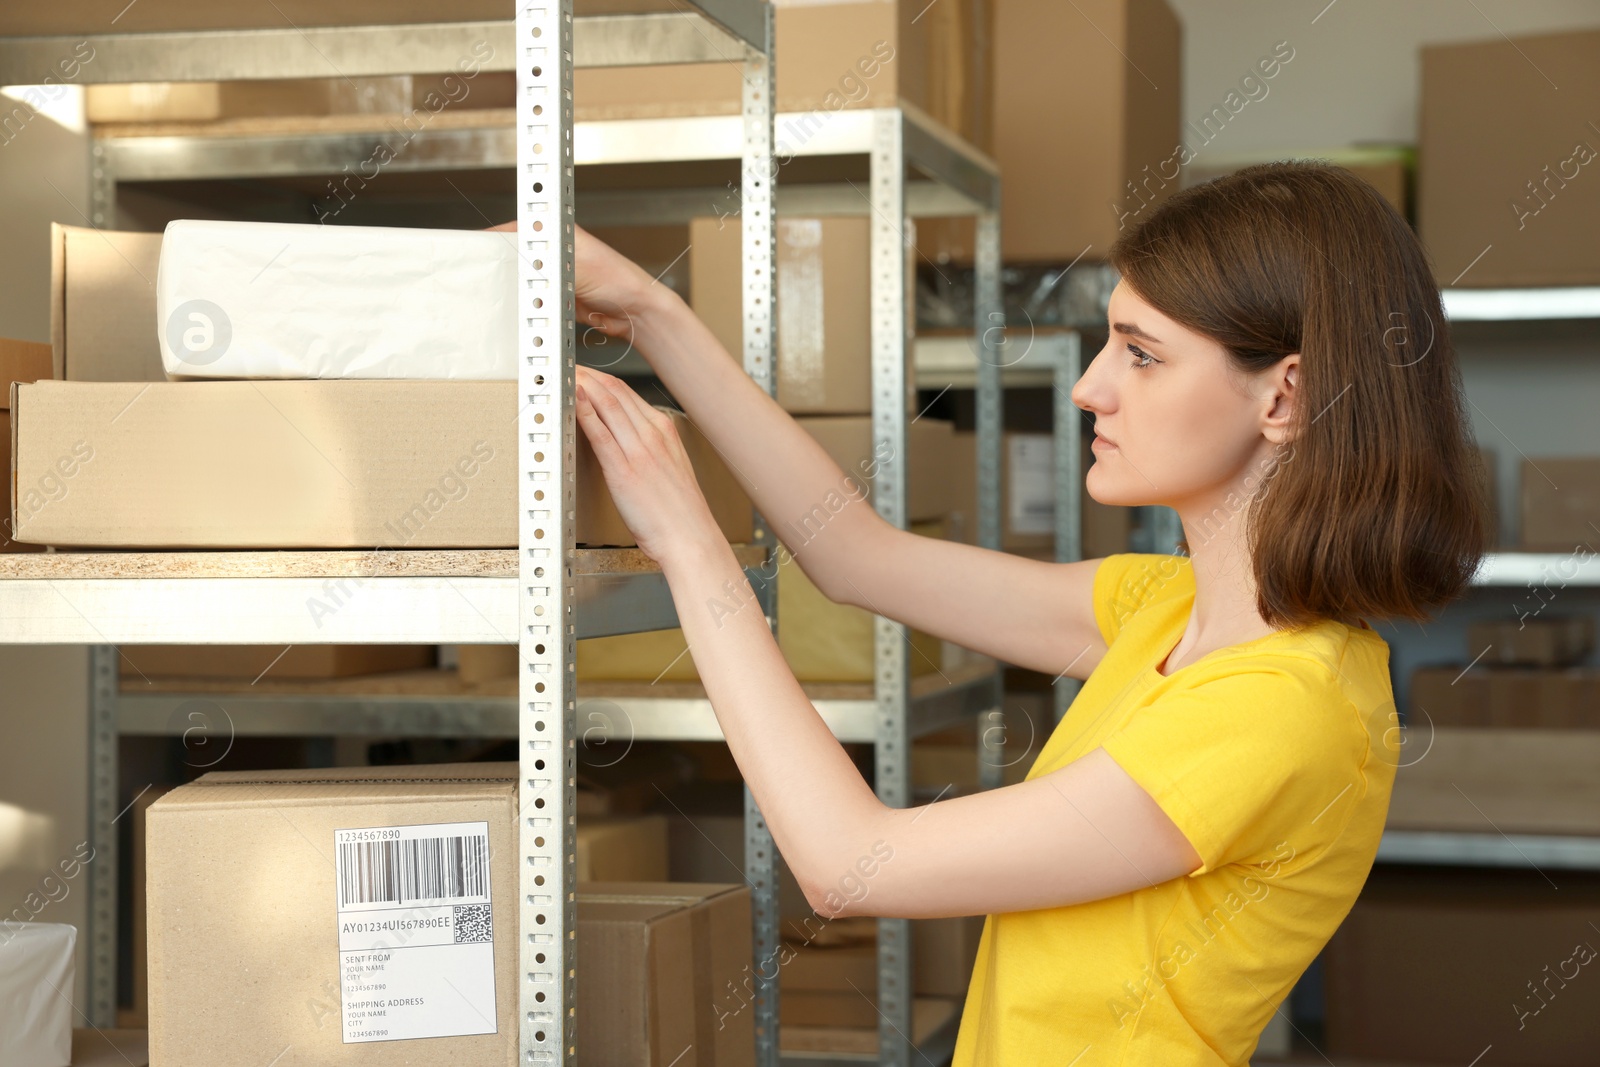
{"x":103,"y":305}
{"x":629,"y":848}
{"x":930,"y":491}
{"x":1491,"y":492}
{"x":1540,"y":642}
{"x":138,"y":1014}
{"x":829,"y":985}
{"x":822,"y":641}
{"x":1027,"y":498}
{"x":291,"y":464}
{"x":1427,"y":963}
{"x":110,"y":1048}
{"x":599,"y":523}
{"x":1560,"y":500}
{"x":943,"y":952}
{"x":476,"y":664}
{"x":249,"y":662}
{"x":1117,"y":156}
{"x":20,"y":361}
{"x":660,"y":967}
{"x":829,"y":57}
{"x":1503,"y":194}
{"x":1389,"y":170}
{"x":247,"y":923}
{"x":938,"y":762}
{"x":1477,"y":780}
{"x":824,"y":306}
{"x":708,"y":846}
{"x":837,"y":985}
{"x":1514,"y":697}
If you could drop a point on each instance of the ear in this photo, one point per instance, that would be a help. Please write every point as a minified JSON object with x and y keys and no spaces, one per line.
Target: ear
{"x":1283,"y":394}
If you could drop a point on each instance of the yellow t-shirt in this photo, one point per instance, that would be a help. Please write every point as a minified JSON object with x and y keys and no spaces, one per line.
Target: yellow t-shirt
{"x":1275,"y":758}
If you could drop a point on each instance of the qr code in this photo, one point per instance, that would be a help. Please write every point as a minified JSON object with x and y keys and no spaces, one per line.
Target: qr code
{"x":474,"y":923}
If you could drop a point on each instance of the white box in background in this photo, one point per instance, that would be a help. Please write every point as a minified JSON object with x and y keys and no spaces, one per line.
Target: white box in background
{"x":299,"y":300}
{"x":37,"y":972}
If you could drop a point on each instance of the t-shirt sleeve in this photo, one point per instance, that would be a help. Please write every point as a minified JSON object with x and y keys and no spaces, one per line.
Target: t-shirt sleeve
{"x":1126,"y":582}
{"x":1246,"y":761}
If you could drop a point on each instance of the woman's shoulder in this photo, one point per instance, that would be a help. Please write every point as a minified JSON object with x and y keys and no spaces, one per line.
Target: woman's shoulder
{"x":1127,"y":582}
{"x":1326,"y":676}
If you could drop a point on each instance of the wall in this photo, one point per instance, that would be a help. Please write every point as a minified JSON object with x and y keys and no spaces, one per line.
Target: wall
{"x":1354,"y":75}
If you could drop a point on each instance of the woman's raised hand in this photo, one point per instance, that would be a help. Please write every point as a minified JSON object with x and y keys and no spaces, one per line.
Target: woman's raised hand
{"x":646,"y":468}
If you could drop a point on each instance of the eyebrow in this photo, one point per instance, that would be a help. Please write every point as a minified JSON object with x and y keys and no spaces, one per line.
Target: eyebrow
{"x":1133,"y":330}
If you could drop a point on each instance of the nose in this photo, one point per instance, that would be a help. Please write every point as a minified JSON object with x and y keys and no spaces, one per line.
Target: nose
{"x":1092,"y":392}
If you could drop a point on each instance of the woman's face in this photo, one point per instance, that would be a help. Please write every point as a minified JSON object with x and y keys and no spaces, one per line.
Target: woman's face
{"x":1176,"y":422}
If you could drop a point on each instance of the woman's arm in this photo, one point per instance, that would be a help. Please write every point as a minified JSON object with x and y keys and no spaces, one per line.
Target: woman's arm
{"x":1081,"y":833}
{"x":1026,"y":612}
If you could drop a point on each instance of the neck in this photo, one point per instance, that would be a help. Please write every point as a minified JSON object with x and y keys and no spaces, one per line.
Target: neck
{"x":1224,"y":611}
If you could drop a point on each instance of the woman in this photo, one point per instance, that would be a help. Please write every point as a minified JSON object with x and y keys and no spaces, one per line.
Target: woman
{"x":1203,"y":818}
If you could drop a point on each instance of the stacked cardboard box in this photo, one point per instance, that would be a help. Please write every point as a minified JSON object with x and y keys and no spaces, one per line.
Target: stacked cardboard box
{"x":1028,"y":497}
{"x":824,"y":313}
{"x":1503,"y":197}
{"x":1525,"y":674}
{"x":830,"y":57}
{"x":413,"y":871}
{"x":1119,"y":157}
{"x":1560,"y":504}
{"x":823,"y":956}
{"x":821,"y":640}
{"x":1390,"y":170}
{"x":20,"y":361}
{"x":660,"y":962}
{"x":116,"y":456}
{"x":1427,"y":963}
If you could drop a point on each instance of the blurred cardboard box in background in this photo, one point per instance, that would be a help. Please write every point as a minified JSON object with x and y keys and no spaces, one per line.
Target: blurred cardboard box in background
{"x":1503,"y":193}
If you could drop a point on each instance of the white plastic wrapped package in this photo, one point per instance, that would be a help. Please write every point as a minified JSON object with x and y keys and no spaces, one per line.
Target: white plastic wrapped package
{"x":36,"y":979}
{"x":290,"y":300}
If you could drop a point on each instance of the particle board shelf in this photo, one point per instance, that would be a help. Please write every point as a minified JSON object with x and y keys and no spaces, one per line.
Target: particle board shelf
{"x":109,"y":565}
{"x":316,"y":597}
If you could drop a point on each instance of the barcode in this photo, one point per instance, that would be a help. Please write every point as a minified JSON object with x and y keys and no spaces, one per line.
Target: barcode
{"x":422,"y":868}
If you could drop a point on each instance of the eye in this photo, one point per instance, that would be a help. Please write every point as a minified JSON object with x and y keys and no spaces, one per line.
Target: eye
{"x":1141,"y":354}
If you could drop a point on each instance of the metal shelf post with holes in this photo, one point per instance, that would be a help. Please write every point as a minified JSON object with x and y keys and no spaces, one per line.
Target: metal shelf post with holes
{"x":543,"y":595}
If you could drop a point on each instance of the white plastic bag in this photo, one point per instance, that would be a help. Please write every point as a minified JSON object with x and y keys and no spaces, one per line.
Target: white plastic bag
{"x":291,"y":300}
{"x":37,"y":972}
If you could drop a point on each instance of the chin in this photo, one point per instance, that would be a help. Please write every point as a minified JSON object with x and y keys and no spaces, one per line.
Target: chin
{"x":1111,"y":490}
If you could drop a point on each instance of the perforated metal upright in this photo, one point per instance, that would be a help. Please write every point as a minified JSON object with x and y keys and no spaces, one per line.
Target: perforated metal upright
{"x":547,"y":706}
{"x":546,"y":445}
{"x":893,"y":403}
{"x":758,"y":175}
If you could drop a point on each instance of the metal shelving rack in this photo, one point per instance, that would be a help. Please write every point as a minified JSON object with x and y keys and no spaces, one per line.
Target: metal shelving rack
{"x":916,"y":169}
{"x":1510,"y":569}
{"x":546,"y":592}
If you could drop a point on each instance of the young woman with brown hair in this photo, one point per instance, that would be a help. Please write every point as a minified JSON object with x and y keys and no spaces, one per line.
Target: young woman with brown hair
{"x":1279,"y":371}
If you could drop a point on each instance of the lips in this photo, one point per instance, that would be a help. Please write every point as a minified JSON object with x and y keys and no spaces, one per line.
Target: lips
{"x":1103,"y":439}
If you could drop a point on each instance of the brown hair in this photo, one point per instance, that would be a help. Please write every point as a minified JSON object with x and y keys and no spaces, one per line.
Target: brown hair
{"x":1381,"y":509}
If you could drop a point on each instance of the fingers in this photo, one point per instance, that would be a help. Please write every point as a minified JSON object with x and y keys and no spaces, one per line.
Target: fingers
{"x":620,"y":408}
